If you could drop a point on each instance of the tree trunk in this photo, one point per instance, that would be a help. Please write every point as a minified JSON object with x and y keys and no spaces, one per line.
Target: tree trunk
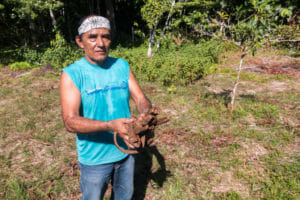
{"x":90,"y":7}
{"x":32,"y":30}
{"x":164,"y":29}
{"x":237,"y":81}
{"x":149,"y":53}
{"x":52,"y":18}
{"x":68,"y":20}
{"x":132,"y":35}
{"x":151,"y":39}
{"x":98,"y":7}
{"x":111,"y":16}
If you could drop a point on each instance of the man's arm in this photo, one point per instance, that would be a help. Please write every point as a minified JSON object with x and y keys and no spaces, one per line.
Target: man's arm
{"x":70,"y":102}
{"x":142,"y":102}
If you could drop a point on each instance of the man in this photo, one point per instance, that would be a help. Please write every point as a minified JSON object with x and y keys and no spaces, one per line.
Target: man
{"x":95,"y":93}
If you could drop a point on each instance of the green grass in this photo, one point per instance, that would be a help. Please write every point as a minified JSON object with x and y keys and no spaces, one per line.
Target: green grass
{"x":205,"y":152}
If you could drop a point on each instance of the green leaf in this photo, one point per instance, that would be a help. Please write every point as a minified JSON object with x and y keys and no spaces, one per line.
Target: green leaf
{"x":285,"y":12}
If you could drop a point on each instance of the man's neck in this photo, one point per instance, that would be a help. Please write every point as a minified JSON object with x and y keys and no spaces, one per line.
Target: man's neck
{"x":94,"y":61}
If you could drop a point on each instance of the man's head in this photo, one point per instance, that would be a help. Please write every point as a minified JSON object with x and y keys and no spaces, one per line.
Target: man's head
{"x":94,"y":37}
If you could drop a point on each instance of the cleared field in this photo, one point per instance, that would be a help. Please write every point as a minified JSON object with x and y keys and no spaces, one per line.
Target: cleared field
{"x":205,"y":152}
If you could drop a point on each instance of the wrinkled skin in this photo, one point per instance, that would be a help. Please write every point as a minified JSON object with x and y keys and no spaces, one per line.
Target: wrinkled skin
{"x":141,"y":130}
{"x":96,"y":43}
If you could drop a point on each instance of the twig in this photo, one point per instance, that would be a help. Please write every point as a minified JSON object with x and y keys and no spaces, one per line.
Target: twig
{"x":237,"y":81}
{"x":24,"y":74}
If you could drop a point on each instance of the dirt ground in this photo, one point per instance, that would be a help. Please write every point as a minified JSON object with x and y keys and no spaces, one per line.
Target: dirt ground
{"x":285,"y":67}
{"x":262,"y":64}
{"x":276,"y":65}
{"x":273,"y":65}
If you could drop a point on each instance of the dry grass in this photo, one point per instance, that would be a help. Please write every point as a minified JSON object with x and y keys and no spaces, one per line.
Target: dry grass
{"x":205,"y":152}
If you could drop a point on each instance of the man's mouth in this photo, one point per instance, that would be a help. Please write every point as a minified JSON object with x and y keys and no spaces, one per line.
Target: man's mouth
{"x":100,"y":51}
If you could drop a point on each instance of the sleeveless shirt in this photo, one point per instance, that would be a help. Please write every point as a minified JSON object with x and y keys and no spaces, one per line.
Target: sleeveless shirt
{"x":104,"y":96}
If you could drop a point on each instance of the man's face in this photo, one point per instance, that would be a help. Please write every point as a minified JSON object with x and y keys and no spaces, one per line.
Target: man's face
{"x":96,"y":44}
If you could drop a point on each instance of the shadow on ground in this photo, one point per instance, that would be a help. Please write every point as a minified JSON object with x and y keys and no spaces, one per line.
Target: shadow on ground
{"x":143,"y":171}
{"x":224,"y":96}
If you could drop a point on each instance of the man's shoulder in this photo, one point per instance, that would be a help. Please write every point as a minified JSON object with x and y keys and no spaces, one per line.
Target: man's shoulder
{"x":74,"y":66}
{"x":117,"y":61}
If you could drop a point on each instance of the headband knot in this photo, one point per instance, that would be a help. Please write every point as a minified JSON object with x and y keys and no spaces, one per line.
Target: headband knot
{"x":93,"y":22}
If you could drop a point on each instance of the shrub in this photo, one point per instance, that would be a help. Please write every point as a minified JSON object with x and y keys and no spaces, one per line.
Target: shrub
{"x":29,"y":54}
{"x":20,"y":65}
{"x":60,"y":54}
{"x":32,"y":56}
{"x":172,"y":64}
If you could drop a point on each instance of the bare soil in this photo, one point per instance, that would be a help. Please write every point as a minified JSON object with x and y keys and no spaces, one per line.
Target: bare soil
{"x":250,"y":151}
{"x":273,"y":65}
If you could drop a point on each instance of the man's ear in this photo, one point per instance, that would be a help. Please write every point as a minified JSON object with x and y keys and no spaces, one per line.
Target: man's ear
{"x":79,"y":41}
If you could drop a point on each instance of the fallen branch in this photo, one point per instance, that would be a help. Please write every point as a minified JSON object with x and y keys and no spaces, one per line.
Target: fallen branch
{"x":24,"y":74}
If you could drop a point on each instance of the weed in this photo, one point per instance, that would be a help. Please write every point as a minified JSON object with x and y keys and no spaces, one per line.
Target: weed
{"x":248,"y":76}
{"x":188,"y":65}
{"x":232,"y":195}
{"x":283,"y":179}
{"x":20,"y":65}
{"x":16,"y":189}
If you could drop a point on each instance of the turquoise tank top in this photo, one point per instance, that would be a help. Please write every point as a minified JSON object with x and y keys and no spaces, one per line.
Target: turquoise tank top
{"x":104,"y":96}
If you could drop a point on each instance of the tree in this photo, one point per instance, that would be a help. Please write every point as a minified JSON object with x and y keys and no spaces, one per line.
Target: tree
{"x":153,"y":12}
{"x":32,"y":13}
{"x":252,"y":33}
{"x":111,"y":15}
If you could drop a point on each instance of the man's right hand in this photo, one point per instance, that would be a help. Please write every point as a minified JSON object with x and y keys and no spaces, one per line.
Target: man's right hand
{"x":119,"y":126}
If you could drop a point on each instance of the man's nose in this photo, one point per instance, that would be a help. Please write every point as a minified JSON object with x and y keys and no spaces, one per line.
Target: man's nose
{"x":99,"y":41}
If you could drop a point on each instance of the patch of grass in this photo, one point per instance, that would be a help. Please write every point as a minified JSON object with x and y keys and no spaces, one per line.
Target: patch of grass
{"x":249,"y":76}
{"x":20,"y":65}
{"x":231,"y":195}
{"x":283,"y":182}
{"x":174,"y":190}
{"x":205,"y":152}
{"x":265,"y":111}
{"x":282,"y":77}
{"x":16,"y":189}
{"x":5,"y":91}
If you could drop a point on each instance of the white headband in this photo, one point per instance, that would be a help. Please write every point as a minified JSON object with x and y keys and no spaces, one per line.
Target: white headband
{"x":93,"y":22}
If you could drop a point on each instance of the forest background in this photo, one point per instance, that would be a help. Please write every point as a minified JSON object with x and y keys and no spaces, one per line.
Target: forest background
{"x":193,"y":58}
{"x":37,"y":32}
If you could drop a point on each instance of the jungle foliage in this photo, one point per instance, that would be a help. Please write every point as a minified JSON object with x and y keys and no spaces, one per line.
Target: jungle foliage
{"x":182,"y":32}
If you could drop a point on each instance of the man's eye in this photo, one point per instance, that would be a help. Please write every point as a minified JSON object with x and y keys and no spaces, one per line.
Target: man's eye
{"x":92,"y":36}
{"x":106,"y":36}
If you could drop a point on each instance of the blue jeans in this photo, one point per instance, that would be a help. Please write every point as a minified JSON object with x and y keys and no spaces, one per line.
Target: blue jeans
{"x":94,"y":179}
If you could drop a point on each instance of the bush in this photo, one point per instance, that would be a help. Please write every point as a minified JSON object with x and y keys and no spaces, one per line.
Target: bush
{"x":60,"y":54}
{"x":32,"y":56}
{"x":29,"y":54}
{"x":174,"y":64}
{"x":20,"y":65}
